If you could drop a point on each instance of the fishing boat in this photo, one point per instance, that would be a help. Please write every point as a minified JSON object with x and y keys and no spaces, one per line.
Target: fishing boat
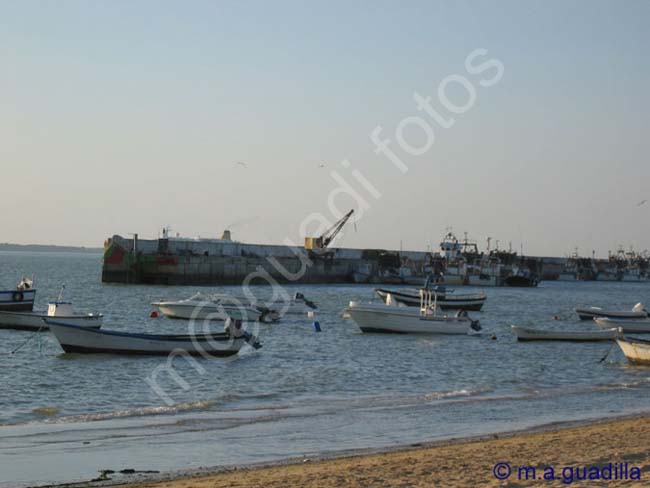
{"x":628,"y":325}
{"x":75,"y":339}
{"x":446,"y":298}
{"x":406,"y":320}
{"x":638,"y":312}
{"x":521,"y":278}
{"x":637,"y":351}
{"x":34,"y":321}
{"x":214,"y":307}
{"x":530,"y":334}
{"x":21,"y":299}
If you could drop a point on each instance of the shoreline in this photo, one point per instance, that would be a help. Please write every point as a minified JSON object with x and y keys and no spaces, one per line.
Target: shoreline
{"x":420,"y":455}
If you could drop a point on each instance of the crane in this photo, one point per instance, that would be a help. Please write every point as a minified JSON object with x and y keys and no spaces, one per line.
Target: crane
{"x":324,"y":240}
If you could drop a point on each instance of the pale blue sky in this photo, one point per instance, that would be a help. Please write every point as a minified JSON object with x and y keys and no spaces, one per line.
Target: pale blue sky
{"x":121,"y":117}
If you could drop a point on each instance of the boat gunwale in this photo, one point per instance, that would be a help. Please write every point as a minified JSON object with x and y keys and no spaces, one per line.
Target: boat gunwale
{"x":219,"y":336}
{"x":45,"y":316}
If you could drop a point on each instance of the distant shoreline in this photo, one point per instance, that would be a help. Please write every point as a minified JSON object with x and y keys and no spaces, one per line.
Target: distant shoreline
{"x":48,"y":248}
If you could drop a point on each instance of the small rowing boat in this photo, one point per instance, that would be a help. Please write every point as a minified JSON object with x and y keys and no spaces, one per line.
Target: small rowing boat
{"x":636,"y":326}
{"x":75,"y":339}
{"x":637,"y":351}
{"x":638,"y":312}
{"x":446,"y":298}
{"x":530,"y":334}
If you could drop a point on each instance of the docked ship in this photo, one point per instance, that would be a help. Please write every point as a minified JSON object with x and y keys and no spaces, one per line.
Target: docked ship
{"x":579,"y":269}
{"x":624,"y":266}
{"x":461,"y":263}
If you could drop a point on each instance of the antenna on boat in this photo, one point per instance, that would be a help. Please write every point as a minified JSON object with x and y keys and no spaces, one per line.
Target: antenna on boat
{"x":60,"y":299}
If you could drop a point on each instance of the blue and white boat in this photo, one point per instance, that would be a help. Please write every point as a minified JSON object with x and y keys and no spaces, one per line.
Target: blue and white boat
{"x":21,"y":299}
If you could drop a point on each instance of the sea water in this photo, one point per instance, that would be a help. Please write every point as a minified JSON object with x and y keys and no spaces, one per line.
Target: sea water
{"x":64,"y":417}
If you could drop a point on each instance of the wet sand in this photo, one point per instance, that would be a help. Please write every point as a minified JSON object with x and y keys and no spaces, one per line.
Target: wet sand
{"x":462,"y":463}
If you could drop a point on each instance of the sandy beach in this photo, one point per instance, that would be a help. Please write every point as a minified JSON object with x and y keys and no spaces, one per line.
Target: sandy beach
{"x":617,"y":449}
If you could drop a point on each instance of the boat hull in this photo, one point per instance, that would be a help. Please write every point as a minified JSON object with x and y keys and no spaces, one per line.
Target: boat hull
{"x":405,"y":320}
{"x":469,"y":303}
{"x":207,"y":312}
{"x":595,"y":313}
{"x":74,"y":339}
{"x":529,"y":334}
{"x":17,"y":300}
{"x":35,"y":321}
{"x":483,"y":280}
{"x":636,"y":352}
{"x":628,"y":326}
{"x":520,"y":282}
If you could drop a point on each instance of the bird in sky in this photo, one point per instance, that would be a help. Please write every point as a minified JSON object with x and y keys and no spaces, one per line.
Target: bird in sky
{"x":642,"y":203}
{"x":241,"y":163}
{"x":321,"y":165}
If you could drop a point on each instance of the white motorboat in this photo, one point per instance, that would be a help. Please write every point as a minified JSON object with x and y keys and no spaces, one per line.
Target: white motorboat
{"x":530,"y":334}
{"x":75,"y":339}
{"x":638,"y":312}
{"x":214,"y":307}
{"x":34,"y":321}
{"x":637,"y":351}
{"x":446,"y":299}
{"x":628,"y":325}
{"x":406,"y":320}
{"x":20,"y":299}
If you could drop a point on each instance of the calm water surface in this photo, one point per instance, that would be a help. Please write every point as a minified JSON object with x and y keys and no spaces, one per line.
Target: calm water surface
{"x":64,"y":417}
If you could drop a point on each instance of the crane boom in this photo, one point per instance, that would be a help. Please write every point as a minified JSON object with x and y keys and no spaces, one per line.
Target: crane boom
{"x":331,"y":233}
{"x":321,"y":242}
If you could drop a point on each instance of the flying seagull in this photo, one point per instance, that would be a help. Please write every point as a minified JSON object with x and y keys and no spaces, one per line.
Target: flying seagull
{"x":642,"y":203}
{"x":241,"y":163}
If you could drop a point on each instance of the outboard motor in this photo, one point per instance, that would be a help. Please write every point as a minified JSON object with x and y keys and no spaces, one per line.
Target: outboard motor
{"x":252,"y":340}
{"x":308,"y":303}
{"x":476,"y":325}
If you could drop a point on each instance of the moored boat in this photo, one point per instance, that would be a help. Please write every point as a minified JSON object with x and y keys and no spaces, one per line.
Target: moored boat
{"x":446,"y":299}
{"x":627,"y":325}
{"x":521,"y":280}
{"x":21,"y":299}
{"x":530,"y":334}
{"x":34,"y":321}
{"x":75,"y":339}
{"x":638,"y":312}
{"x":637,"y":351}
{"x":406,"y":320}
{"x":214,"y":307}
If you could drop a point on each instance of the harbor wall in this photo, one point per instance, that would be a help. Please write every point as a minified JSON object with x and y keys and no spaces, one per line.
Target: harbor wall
{"x":177,"y":261}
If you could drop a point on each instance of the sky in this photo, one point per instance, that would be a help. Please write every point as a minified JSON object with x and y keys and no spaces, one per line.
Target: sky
{"x":122,"y":117}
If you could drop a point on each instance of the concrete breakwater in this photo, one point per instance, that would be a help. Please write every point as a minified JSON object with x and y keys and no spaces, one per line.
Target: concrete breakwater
{"x":179,"y":261}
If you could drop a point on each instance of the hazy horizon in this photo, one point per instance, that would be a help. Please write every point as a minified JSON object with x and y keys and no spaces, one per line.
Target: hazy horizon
{"x":122,"y":118}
